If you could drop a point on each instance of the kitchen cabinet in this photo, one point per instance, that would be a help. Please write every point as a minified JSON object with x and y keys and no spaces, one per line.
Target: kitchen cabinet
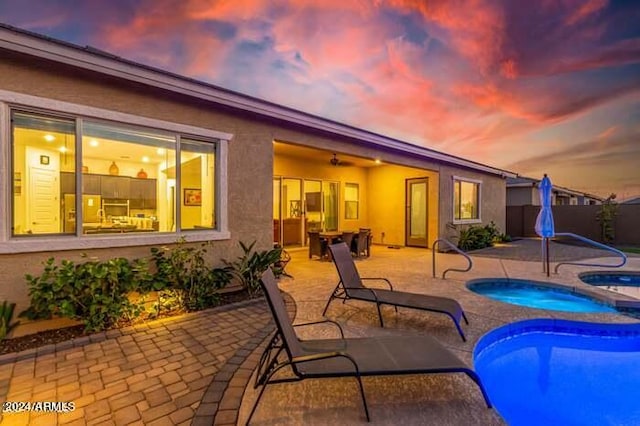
{"x":115,"y":187}
{"x":67,"y":183}
{"x":142,"y":193}
{"x":90,"y":183}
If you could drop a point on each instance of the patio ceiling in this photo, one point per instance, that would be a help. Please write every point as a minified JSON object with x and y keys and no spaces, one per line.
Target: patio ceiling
{"x":319,"y":155}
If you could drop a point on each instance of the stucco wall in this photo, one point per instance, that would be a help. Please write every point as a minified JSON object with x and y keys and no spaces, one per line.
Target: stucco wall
{"x":249,"y":158}
{"x":492,"y":204}
{"x":250,"y":162}
{"x":387,"y":203}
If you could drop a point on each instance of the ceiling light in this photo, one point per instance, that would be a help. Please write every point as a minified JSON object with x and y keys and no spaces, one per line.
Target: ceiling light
{"x":62,"y":149}
{"x":377,"y":161}
{"x":145,"y":159}
{"x":160,"y":151}
{"x":49,"y":138}
{"x":93,"y":142}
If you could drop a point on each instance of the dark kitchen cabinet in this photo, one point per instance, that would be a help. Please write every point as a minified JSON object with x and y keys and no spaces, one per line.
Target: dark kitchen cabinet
{"x":90,"y":183}
{"x":115,"y":187}
{"x":67,"y":183}
{"x":142,"y":193}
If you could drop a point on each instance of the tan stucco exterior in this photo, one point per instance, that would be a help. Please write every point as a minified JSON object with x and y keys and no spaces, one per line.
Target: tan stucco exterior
{"x":251,"y":165}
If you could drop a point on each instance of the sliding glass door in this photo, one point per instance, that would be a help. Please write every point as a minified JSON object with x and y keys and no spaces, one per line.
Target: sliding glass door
{"x":330,"y":192}
{"x":302,"y":205}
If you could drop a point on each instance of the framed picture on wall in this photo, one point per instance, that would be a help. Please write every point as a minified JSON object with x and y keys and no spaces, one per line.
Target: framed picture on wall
{"x":192,"y":197}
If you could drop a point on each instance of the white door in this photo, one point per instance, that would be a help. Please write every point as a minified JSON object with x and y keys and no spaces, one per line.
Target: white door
{"x":43,"y":204}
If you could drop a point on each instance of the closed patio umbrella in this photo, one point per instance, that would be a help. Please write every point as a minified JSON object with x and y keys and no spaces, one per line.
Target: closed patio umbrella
{"x":544,"y":221}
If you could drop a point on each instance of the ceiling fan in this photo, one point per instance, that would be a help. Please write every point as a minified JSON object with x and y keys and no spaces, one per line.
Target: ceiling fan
{"x":336,"y":162}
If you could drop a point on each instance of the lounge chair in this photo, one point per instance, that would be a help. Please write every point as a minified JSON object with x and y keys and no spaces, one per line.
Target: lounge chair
{"x":350,"y":357}
{"x":351,"y":287}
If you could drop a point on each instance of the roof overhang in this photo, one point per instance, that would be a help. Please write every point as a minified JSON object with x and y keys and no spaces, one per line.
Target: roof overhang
{"x":92,"y":59}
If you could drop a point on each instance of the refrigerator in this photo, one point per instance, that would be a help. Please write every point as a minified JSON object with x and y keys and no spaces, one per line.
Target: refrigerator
{"x":91,"y":211}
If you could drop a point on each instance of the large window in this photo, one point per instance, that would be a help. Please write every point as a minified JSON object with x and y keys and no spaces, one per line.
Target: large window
{"x":197,"y":166}
{"x":113,"y":179}
{"x":42,"y":147}
{"x":466,"y":200}
{"x":351,"y":200}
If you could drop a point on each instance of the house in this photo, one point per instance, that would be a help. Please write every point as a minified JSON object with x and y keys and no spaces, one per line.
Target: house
{"x":523,"y":191}
{"x":631,"y":200}
{"x":109,"y":157}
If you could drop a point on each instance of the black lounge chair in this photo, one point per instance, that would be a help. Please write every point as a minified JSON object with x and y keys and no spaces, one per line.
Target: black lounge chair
{"x":350,"y":357}
{"x":351,"y":287}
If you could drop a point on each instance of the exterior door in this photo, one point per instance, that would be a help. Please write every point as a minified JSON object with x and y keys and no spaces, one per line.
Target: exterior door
{"x":417,"y":197}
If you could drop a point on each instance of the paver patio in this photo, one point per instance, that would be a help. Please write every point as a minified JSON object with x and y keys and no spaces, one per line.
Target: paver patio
{"x":193,"y":369}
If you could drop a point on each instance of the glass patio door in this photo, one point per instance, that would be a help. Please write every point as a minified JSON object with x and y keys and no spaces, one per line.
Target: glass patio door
{"x":330,"y":191}
{"x":302,"y":205}
{"x":313,"y":206}
{"x":292,"y":212}
{"x":416,"y":215}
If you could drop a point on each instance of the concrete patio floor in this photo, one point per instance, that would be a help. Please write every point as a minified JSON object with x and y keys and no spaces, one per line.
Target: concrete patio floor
{"x":411,"y":400}
{"x":194,"y":369}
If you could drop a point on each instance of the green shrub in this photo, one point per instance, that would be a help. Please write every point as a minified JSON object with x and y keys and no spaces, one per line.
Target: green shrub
{"x":93,"y":292}
{"x":477,"y":237}
{"x":606,"y":218}
{"x":248,"y":267}
{"x":6,"y":315}
{"x":182,"y":269}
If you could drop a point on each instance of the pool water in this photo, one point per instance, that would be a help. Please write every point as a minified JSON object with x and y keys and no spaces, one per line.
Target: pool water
{"x":627,"y":282}
{"x":553,"y":372}
{"x":536,"y":295}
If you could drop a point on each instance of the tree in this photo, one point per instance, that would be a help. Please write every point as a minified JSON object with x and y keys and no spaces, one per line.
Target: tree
{"x":606,"y":217}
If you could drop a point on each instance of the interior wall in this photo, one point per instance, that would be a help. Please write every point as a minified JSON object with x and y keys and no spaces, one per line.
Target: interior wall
{"x":321,"y":170}
{"x":387,"y":203}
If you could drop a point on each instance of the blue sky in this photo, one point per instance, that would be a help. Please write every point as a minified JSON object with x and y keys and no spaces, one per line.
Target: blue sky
{"x":550,"y":86}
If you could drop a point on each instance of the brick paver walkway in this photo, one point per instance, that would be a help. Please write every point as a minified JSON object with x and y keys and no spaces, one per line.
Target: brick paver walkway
{"x":174,"y":371}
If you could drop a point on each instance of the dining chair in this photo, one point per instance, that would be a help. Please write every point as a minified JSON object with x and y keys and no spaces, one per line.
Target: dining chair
{"x":362,"y":246}
{"x":347,"y":238}
{"x":317,"y":245}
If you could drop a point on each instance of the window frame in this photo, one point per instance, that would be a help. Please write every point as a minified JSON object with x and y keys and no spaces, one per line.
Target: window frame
{"x":357,"y":201}
{"x":478,"y":182}
{"x":10,"y":101}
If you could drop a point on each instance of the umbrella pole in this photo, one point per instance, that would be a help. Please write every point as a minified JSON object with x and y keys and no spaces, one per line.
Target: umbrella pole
{"x":547,"y":254}
{"x":544,"y":263}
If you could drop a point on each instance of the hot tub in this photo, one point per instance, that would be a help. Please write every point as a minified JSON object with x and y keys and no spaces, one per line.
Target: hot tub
{"x":534,"y":294}
{"x":623,"y":282}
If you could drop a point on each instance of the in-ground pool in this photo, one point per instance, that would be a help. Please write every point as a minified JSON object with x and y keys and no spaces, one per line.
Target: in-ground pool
{"x":539,"y":295}
{"x":557,"y":372}
{"x":623,"y":282}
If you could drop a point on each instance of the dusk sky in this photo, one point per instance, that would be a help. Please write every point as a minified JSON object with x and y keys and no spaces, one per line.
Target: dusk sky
{"x":543,"y":86}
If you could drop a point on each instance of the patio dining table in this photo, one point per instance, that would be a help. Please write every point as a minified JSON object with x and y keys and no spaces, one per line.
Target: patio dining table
{"x":331,"y":237}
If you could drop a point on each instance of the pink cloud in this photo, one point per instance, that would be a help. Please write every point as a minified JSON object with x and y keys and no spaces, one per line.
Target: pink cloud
{"x":473,"y":78}
{"x":585,"y":10}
